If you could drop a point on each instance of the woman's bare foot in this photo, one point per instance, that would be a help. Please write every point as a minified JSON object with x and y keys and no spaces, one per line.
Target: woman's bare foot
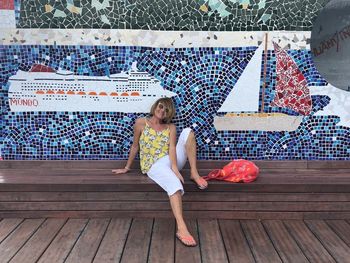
{"x":200,"y":182}
{"x":185,"y":237}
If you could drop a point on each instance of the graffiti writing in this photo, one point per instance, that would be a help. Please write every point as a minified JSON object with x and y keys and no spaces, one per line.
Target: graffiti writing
{"x":332,"y":42}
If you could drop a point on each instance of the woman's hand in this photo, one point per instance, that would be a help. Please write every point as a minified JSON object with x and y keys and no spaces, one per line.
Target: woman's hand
{"x":180,"y":177}
{"x":121,"y":171}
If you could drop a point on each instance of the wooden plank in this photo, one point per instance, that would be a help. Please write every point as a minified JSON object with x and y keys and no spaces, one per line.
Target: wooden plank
{"x":187,"y":206}
{"x":137,"y":244}
{"x":259,"y":242}
{"x":212,"y":245}
{"x":93,"y":172}
{"x":86,"y":246}
{"x":241,"y":206}
{"x":10,"y":246}
{"x":336,"y":186}
{"x":112,"y":244}
{"x":326,"y":215}
{"x":74,"y":164}
{"x":161,"y":196}
{"x":328,"y":164}
{"x":342,"y":228}
{"x":236,"y":245}
{"x":188,"y":254}
{"x":218,"y":214}
{"x":285,"y":245}
{"x":37,"y":244}
{"x":114,"y":164}
{"x":330,"y":240}
{"x":163,"y":241}
{"x":86,"y":175}
{"x":107,"y":185}
{"x":97,"y":177}
{"x":76,"y":206}
{"x":310,"y":245}
{"x":265,"y":197}
{"x":7,"y":225}
{"x":85,"y":196}
{"x":64,"y":241}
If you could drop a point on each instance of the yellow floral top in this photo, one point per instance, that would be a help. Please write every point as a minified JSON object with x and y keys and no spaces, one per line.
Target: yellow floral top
{"x":153,"y":146}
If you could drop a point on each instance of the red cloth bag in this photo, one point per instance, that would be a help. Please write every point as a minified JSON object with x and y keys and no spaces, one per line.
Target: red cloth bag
{"x":236,"y":171}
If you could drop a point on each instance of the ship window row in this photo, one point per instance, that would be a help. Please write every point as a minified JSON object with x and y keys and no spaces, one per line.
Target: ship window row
{"x":55,"y":98}
{"x":52,"y":87}
{"x":90,"y":93}
{"x":53,"y":84}
{"x":35,"y":88}
{"x":49,"y":89}
{"x":82,"y":92}
{"x":28,"y":96}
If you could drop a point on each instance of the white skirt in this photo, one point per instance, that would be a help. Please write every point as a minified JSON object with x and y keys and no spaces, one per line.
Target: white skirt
{"x":161,"y":171}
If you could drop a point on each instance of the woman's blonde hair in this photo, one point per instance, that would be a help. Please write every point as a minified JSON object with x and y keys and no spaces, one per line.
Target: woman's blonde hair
{"x":169,"y":104}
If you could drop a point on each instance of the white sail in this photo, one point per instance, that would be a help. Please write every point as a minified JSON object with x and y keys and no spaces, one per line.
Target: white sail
{"x":244,"y":96}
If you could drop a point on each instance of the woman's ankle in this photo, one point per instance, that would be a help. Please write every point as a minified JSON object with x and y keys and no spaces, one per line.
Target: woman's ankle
{"x":194,"y":174}
{"x":181,"y":227}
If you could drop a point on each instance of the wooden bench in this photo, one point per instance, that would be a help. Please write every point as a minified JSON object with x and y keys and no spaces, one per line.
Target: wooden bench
{"x":284,"y":190}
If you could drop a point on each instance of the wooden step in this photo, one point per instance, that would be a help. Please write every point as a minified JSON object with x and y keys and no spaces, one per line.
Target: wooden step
{"x":202,"y":164}
{"x":66,"y":189}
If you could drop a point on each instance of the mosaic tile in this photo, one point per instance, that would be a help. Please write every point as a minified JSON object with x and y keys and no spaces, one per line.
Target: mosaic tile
{"x":7,"y":5}
{"x":202,"y":79}
{"x":7,"y":14}
{"x":195,"y":15}
{"x":7,"y":18}
{"x":293,"y":40}
{"x":17,"y":10}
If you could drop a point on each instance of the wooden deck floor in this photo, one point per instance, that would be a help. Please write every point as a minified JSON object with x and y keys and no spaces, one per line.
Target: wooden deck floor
{"x":153,"y":240}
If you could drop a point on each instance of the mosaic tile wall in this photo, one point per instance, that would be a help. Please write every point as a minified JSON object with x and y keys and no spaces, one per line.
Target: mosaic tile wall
{"x":94,"y":135}
{"x":194,"y":15}
{"x":214,"y":61}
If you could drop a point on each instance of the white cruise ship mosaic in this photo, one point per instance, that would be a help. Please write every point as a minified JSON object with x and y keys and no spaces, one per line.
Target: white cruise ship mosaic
{"x":44,"y":89}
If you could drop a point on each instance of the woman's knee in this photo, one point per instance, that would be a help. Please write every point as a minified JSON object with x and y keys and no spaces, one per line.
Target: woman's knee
{"x":185,"y":133}
{"x":178,"y":193}
{"x":188,"y":135}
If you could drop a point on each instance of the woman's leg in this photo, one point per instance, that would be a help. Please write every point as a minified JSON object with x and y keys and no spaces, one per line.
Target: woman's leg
{"x":162,"y":174}
{"x":191,"y":150}
{"x":182,"y":231}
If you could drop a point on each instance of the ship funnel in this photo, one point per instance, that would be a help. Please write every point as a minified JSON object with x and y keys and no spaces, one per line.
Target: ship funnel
{"x":169,"y":93}
{"x":134,"y":66}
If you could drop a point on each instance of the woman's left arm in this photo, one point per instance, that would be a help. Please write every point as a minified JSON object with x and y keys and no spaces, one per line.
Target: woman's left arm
{"x":172,"y":152}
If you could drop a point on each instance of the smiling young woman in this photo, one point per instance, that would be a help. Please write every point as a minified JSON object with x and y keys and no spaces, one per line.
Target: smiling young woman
{"x":161,"y":158}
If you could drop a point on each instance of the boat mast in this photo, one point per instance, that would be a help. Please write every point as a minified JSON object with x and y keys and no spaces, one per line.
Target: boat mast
{"x":264,"y":74}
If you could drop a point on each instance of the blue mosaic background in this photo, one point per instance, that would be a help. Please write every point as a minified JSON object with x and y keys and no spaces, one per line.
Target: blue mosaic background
{"x":206,"y":79}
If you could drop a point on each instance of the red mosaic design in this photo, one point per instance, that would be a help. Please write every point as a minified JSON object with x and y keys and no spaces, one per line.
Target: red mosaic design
{"x":7,"y":4}
{"x":291,"y":86}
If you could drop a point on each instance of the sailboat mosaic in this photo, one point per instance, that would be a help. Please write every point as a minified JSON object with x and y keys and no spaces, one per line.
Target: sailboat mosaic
{"x":291,"y":86}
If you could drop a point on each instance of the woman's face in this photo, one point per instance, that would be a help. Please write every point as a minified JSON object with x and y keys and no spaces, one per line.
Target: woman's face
{"x":161,"y":111}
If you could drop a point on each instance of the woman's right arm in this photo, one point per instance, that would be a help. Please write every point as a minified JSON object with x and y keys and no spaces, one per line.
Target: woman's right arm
{"x":138,"y":127}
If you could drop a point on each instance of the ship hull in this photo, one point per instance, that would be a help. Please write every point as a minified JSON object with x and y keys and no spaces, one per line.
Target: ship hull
{"x":258,"y":122}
